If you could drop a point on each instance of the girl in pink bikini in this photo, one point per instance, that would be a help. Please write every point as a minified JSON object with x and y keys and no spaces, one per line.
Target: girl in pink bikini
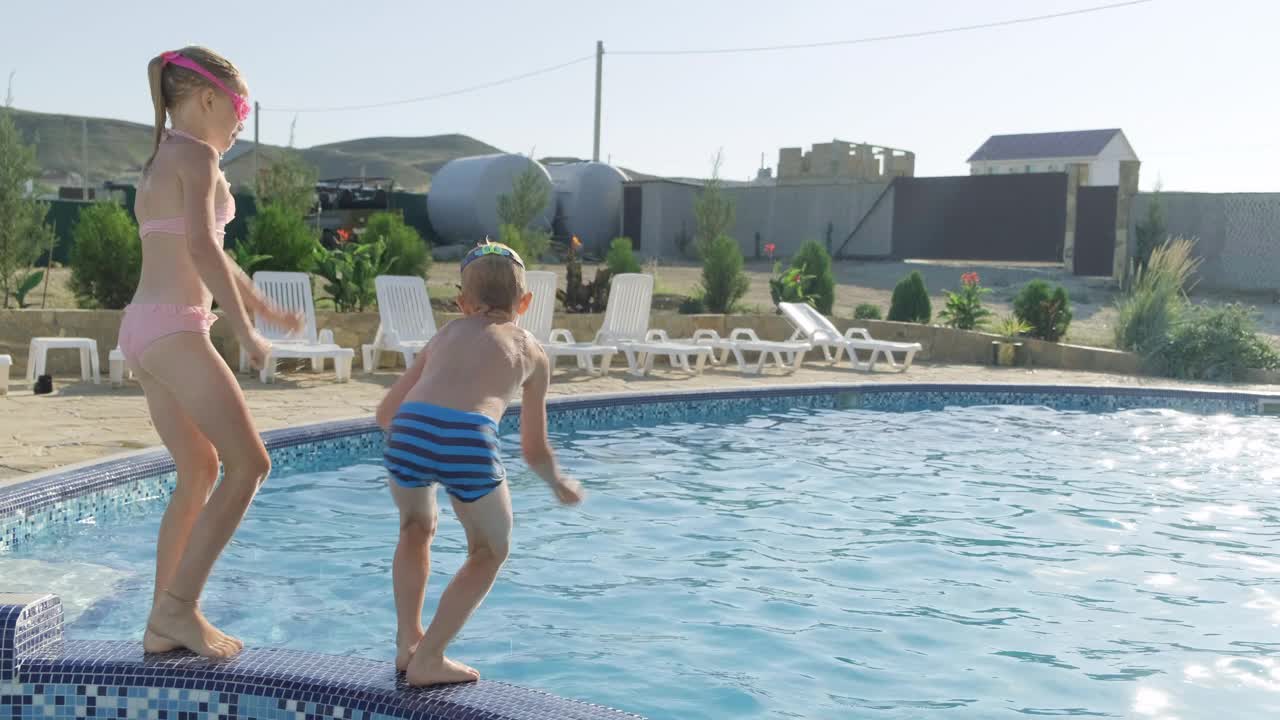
{"x":196,"y":405}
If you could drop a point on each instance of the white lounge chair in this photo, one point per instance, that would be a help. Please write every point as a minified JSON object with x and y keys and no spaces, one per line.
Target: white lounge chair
{"x":541,"y":313}
{"x":788,"y":355}
{"x":538,"y":321}
{"x":626,"y":330}
{"x":406,"y":324}
{"x":292,"y":291}
{"x":811,"y":325}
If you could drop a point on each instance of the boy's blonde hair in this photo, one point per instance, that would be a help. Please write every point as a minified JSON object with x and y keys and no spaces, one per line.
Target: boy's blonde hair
{"x":493,"y":283}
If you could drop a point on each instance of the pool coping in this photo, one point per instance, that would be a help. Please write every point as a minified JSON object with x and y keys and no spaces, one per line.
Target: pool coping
{"x":282,"y":674}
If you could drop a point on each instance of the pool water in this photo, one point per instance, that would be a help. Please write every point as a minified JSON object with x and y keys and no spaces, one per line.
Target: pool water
{"x":964,"y":563}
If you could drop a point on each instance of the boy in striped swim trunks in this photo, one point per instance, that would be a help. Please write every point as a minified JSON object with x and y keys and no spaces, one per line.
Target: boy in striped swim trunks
{"x":441,"y":419}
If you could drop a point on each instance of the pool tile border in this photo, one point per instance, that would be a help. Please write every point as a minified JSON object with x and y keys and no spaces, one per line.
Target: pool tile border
{"x":45,"y":677}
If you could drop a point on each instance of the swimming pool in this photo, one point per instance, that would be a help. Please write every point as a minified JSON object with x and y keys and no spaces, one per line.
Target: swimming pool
{"x":970,"y":553}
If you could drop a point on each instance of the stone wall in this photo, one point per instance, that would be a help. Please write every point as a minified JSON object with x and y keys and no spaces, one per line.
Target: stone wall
{"x":1236,"y":236}
{"x":941,"y":345}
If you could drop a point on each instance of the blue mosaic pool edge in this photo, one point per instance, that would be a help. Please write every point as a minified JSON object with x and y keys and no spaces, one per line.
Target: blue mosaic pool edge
{"x":41,"y":676}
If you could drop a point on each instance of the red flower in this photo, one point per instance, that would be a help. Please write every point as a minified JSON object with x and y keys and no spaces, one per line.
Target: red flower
{"x":970,"y":278}
{"x":769,"y":248}
{"x":343,"y":236}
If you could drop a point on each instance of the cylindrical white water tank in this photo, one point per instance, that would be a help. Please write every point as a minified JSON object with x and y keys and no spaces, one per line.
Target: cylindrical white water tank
{"x":463,"y":200}
{"x":588,"y":202}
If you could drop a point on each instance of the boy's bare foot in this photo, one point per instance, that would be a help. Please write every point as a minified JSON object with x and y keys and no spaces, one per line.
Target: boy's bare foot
{"x":176,"y":623}
{"x":438,"y":670}
{"x":405,"y":648}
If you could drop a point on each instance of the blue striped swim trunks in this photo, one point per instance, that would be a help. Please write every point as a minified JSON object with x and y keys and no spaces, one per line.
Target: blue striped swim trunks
{"x":429,"y":444}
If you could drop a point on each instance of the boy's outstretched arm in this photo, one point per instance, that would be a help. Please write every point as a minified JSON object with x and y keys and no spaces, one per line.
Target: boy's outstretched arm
{"x":390,"y":404}
{"x":533,"y":432}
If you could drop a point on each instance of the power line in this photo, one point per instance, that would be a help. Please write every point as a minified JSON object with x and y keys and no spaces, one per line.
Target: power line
{"x":437,"y":96}
{"x":883,"y":38}
{"x":717,"y":51}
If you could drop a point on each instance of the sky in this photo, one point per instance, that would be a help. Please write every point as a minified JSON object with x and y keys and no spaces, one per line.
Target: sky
{"x":1187,"y":80}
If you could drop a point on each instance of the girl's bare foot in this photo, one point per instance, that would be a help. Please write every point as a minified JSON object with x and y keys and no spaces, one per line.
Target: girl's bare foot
{"x":406,"y":646}
{"x":176,"y":623}
{"x":153,"y":643}
{"x":438,"y":670}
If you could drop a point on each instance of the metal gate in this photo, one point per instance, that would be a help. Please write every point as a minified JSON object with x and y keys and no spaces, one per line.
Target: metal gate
{"x":1095,"y":230}
{"x":981,"y":217}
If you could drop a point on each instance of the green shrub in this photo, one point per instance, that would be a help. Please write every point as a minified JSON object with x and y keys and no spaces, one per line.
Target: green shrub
{"x":693,"y":305}
{"x":788,"y":285}
{"x":821,"y":285}
{"x":621,"y":259}
{"x":1216,"y":343}
{"x":26,"y":283}
{"x":964,"y":309}
{"x":1010,"y":327}
{"x":1156,"y":297}
{"x":723,"y":282}
{"x":284,"y":238}
{"x":350,"y":270}
{"x":107,"y":257}
{"x":867,"y":311}
{"x":1046,"y":310}
{"x":910,"y":301}
{"x":247,"y":257}
{"x":405,"y":248}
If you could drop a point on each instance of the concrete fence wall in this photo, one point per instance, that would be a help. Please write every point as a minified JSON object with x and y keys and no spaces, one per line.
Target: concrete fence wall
{"x":1238,"y":235}
{"x":941,"y":345}
{"x":786,"y":216}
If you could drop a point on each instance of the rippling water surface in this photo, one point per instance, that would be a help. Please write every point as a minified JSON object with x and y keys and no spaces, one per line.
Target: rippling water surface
{"x":967,"y":563}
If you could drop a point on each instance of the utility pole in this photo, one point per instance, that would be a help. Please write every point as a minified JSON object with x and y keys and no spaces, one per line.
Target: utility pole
{"x":257,"y":113}
{"x":84,"y":159}
{"x":595,"y":151}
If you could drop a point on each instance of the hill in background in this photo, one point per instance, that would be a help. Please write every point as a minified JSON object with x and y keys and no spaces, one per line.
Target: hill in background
{"x":118,"y":149}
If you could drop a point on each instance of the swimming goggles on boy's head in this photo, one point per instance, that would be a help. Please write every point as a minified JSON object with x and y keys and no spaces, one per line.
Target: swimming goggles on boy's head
{"x":489,"y":248}
{"x":237,"y":100}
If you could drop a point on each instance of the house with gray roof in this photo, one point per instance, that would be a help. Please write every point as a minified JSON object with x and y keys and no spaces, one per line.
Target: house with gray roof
{"x":1101,"y":150}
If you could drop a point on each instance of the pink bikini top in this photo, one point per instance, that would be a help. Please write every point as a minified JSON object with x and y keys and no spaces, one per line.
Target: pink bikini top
{"x":224,"y":210}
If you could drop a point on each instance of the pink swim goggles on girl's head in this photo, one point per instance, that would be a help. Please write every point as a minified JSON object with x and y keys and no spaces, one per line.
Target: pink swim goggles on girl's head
{"x":237,"y":100}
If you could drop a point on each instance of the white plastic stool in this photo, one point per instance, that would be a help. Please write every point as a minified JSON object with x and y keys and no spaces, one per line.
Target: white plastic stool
{"x":6,"y":362}
{"x":40,"y":347}
{"x":119,"y":371}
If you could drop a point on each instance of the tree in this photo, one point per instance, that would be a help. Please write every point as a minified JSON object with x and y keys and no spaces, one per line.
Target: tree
{"x":713,"y":211}
{"x":723,"y":282}
{"x":528,"y":198}
{"x":106,"y":259}
{"x":1149,"y":234}
{"x":519,"y":210}
{"x":21,"y":216}
{"x":289,"y":183}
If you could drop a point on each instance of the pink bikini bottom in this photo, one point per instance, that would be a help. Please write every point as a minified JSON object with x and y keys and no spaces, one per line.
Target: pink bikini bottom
{"x":144,"y":324}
